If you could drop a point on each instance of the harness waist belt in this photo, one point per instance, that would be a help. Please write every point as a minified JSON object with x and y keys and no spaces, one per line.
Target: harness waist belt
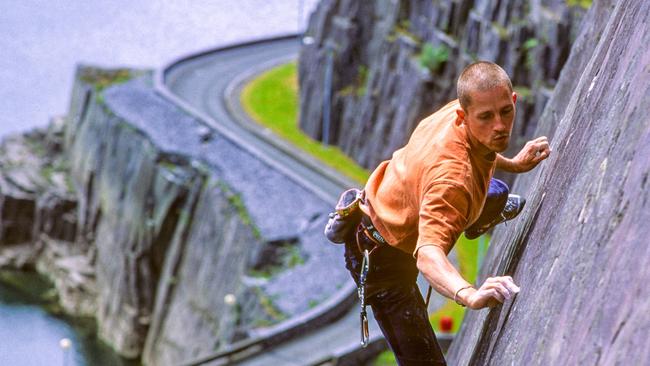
{"x":372,"y":231}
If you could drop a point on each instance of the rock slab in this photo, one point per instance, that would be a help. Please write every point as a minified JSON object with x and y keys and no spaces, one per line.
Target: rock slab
{"x":579,"y":250}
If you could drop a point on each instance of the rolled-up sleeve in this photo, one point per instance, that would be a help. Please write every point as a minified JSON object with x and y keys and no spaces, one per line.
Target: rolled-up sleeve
{"x":443,"y":215}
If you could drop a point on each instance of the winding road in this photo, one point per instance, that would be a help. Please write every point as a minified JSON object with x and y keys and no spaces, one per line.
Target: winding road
{"x":203,"y":81}
{"x":207,"y":85}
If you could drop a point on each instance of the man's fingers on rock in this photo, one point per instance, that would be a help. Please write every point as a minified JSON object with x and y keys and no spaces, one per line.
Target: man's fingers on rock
{"x":506,"y":279}
{"x":500,"y":279}
{"x":495,"y":294}
{"x":496,"y":288}
{"x":538,"y":140}
{"x":544,"y":148}
{"x":512,"y":287}
{"x":503,"y":291}
{"x":509,"y":284}
{"x":539,"y":158}
{"x":541,"y":151}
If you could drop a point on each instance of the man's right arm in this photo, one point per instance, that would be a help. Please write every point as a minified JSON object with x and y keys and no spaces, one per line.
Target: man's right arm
{"x":443,"y":276}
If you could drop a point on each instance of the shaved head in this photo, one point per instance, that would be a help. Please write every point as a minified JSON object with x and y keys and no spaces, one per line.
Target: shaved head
{"x":480,"y":76}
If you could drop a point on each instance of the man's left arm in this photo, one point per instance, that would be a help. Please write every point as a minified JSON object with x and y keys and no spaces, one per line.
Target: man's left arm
{"x":530,"y":155}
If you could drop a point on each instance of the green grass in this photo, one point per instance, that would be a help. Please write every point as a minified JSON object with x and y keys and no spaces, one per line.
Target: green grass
{"x":272,"y":101}
{"x":433,"y":57}
{"x":386,"y":358}
{"x":585,"y":4}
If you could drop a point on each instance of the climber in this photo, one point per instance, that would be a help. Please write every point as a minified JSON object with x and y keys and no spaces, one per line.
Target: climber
{"x":415,"y":206}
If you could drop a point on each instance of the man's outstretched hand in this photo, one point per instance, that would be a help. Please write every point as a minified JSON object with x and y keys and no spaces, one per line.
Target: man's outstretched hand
{"x":530,"y":155}
{"x":495,"y":290}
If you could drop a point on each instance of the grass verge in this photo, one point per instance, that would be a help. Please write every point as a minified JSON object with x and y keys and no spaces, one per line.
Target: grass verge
{"x":271,"y":100}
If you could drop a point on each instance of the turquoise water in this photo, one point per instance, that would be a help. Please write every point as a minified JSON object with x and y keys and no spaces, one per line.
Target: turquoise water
{"x":30,"y":335}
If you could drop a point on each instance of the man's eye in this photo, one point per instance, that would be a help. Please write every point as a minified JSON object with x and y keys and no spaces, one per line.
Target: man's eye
{"x":506,"y":111}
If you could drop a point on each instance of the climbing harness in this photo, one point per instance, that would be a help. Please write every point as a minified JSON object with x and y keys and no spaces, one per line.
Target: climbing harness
{"x":365,"y":266}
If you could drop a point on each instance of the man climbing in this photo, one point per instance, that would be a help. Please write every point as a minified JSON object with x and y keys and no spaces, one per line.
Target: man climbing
{"x":419,"y":202}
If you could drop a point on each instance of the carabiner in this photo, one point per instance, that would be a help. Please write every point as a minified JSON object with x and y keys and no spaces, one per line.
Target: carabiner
{"x":365,"y":266}
{"x":365,"y":333}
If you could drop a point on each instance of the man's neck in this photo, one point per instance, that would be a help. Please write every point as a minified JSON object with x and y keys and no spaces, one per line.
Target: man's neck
{"x":478,"y":148}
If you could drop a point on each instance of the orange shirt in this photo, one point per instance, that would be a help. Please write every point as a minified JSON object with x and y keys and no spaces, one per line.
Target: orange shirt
{"x":432,"y":188}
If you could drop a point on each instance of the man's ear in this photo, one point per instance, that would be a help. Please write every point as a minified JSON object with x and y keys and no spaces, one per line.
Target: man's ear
{"x":460,"y":113}
{"x":514,"y":98}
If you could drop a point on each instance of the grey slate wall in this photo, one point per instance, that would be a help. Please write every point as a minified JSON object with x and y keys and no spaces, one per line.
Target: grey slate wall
{"x":579,"y":251}
{"x":380,"y":88}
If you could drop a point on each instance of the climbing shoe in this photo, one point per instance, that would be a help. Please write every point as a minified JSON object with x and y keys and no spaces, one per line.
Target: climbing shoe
{"x":514,"y":205}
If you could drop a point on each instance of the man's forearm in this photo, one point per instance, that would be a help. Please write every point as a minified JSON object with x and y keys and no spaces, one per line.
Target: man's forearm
{"x":506,"y":164}
{"x":441,"y":274}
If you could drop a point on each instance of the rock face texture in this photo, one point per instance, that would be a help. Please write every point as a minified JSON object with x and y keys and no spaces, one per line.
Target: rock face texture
{"x":176,"y":239}
{"x":38,"y":221}
{"x":395,"y":61}
{"x":579,"y":250}
{"x":32,"y":168}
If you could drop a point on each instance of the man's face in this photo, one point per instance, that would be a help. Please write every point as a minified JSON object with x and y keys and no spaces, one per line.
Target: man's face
{"x":490,"y":116}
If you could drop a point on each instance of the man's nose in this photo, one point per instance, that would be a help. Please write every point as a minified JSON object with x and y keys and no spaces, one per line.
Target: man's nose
{"x":500,"y":124}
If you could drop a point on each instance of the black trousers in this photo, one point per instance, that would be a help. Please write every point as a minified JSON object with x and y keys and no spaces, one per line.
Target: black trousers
{"x":396,"y":302}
